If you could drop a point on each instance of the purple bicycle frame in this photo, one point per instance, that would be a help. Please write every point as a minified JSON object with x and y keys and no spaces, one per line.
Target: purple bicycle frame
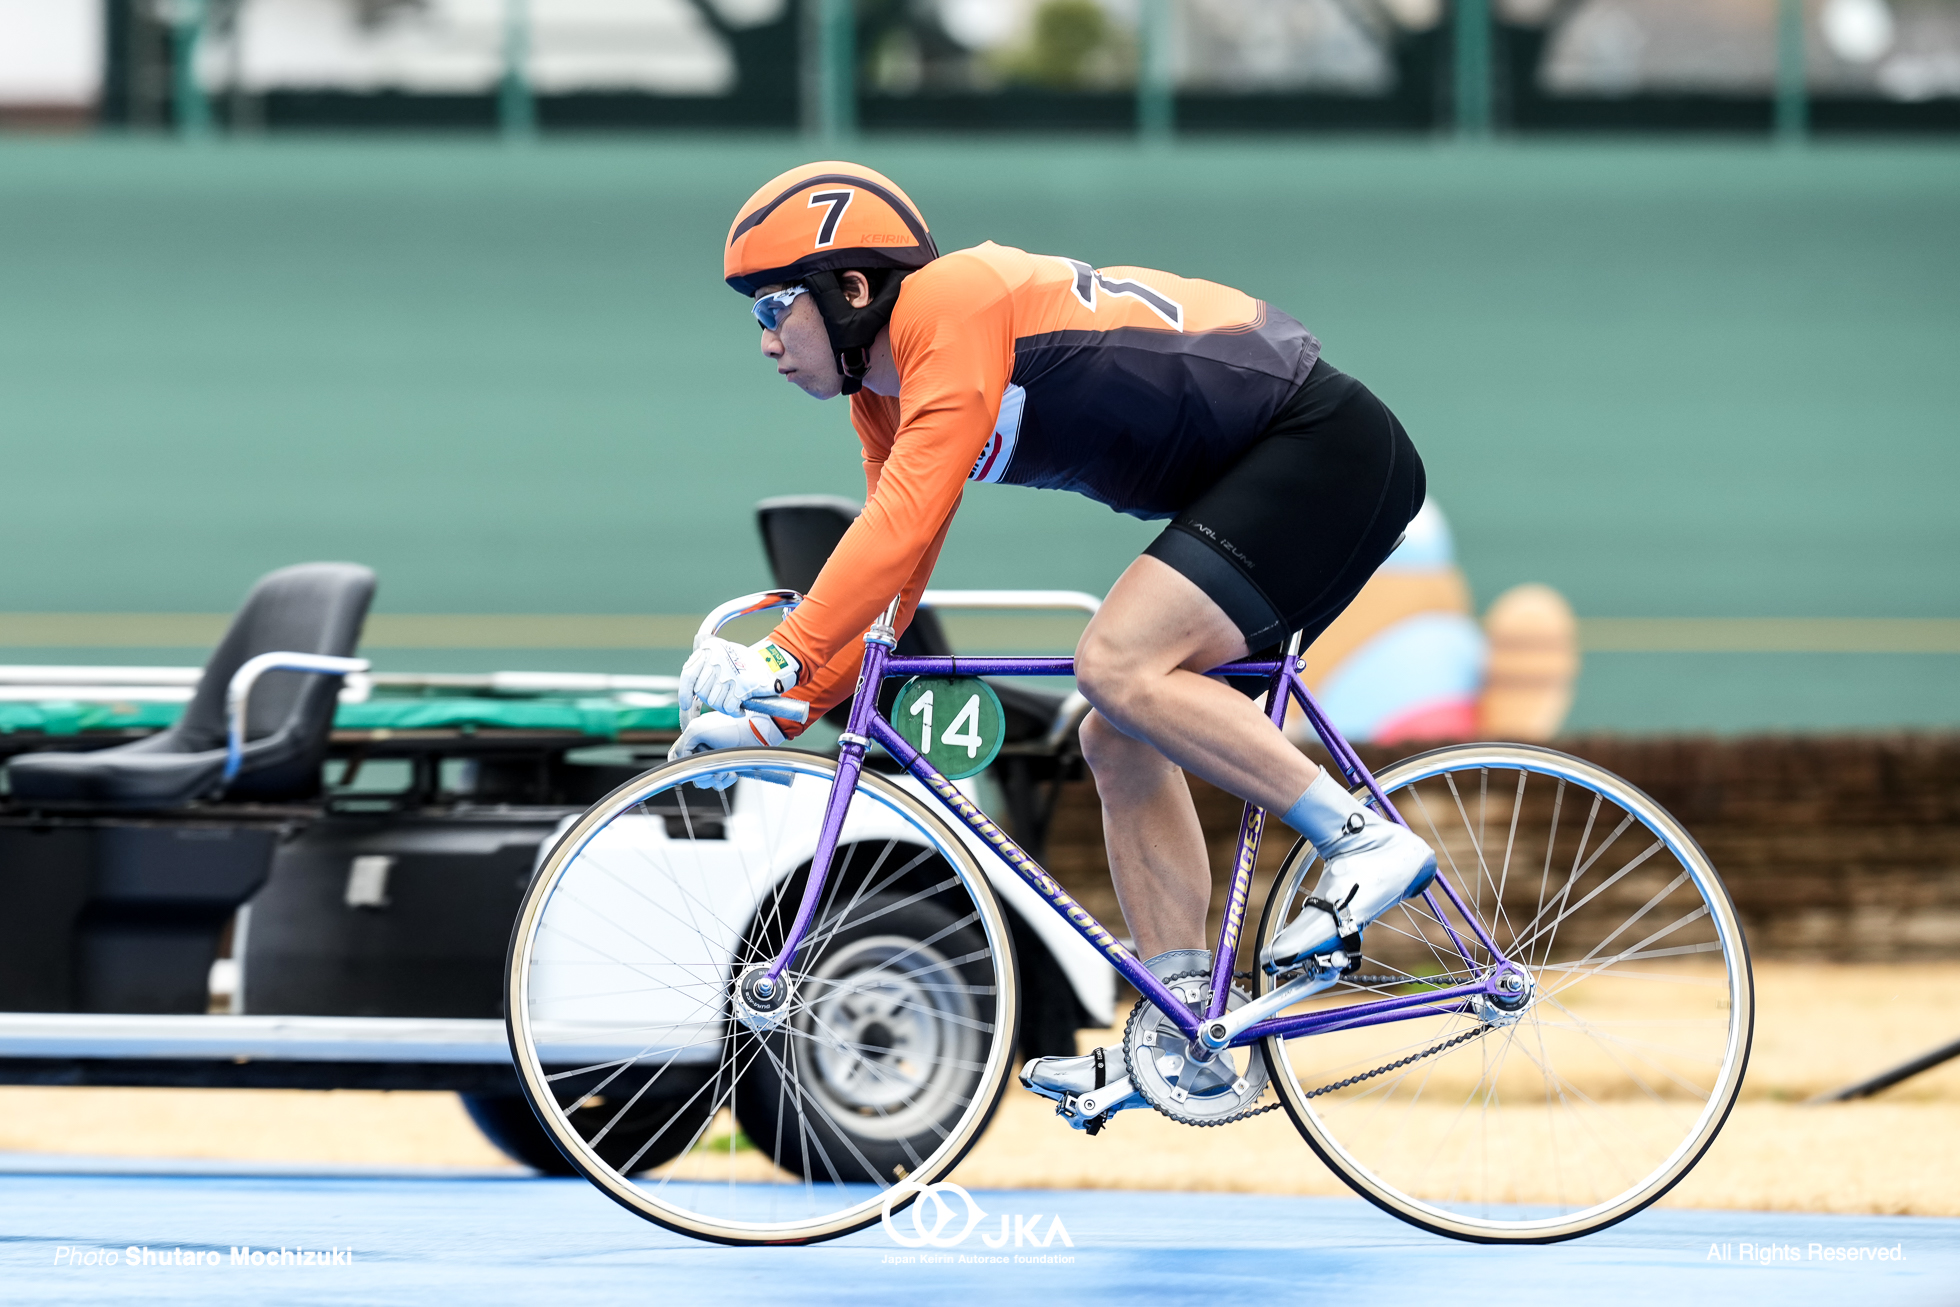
{"x":1284,"y":685}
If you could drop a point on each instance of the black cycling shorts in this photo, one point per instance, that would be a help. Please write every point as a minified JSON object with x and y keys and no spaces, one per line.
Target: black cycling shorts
{"x":1289,"y":535}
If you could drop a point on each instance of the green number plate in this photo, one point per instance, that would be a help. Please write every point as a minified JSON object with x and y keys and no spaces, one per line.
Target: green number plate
{"x":955,"y":721}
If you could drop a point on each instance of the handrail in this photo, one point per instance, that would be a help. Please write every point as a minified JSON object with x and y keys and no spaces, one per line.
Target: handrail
{"x":94,"y":693}
{"x":22,"y":683}
{"x":248,"y":674}
{"x":1072,"y":600}
{"x":36,"y":675}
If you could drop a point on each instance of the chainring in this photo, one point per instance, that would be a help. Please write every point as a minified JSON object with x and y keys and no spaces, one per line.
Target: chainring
{"x":1154,"y":1053}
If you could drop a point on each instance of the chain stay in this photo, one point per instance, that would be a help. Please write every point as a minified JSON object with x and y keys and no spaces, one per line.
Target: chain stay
{"x":1410,"y":1060}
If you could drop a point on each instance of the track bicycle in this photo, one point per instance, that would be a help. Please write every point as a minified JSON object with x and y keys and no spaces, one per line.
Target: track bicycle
{"x":1538,"y":1046}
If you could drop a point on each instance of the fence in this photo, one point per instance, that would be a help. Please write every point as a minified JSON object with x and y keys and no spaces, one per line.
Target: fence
{"x":1837,"y":848}
{"x":1150,"y":67}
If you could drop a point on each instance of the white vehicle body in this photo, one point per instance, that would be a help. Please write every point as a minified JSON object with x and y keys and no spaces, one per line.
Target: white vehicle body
{"x":695,"y":910}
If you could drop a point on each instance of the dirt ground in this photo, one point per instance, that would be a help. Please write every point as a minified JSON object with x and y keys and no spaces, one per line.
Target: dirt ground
{"x":1818,"y":1027}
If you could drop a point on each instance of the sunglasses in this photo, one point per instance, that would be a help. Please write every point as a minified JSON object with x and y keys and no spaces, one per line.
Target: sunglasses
{"x":771,"y":309}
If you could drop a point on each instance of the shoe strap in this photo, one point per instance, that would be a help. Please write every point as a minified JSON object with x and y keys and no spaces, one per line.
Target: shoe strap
{"x":1344,"y":923}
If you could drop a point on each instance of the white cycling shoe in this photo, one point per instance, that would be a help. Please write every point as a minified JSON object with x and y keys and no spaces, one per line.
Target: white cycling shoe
{"x":1372,"y":864}
{"x":1093,"y":1087}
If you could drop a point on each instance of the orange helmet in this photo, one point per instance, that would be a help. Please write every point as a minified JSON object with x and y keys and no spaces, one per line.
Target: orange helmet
{"x":824,"y":217}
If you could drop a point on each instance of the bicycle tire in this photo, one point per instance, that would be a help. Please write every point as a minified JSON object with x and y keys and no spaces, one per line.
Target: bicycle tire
{"x":640,"y":870}
{"x":1619,"y":1088}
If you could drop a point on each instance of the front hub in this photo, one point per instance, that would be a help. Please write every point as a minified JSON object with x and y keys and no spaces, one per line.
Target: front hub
{"x":761,"y":1001}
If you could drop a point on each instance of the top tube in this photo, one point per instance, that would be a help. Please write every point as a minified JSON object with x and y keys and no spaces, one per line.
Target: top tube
{"x":959,"y":665}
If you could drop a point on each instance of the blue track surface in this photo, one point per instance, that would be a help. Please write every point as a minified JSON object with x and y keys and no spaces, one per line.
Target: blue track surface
{"x":472,"y":1238}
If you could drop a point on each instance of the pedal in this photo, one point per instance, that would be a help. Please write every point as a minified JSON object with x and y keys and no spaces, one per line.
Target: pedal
{"x":1070,"y":1110}
{"x":1090,"y":1112}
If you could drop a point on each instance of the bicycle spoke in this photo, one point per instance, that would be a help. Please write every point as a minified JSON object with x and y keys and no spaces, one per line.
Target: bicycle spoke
{"x":885,"y":1053}
{"x":1611,"y":1070}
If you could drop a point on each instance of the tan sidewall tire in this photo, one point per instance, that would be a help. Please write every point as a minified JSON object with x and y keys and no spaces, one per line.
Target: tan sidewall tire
{"x":959,"y":1142}
{"x":1742,"y":999}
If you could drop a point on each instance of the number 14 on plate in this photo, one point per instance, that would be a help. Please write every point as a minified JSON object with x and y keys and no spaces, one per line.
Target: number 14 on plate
{"x":955,"y":721}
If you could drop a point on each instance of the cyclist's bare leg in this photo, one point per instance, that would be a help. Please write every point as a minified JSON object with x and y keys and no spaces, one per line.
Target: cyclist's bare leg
{"x":1156,"y":847}
{"x":1139,"y":662}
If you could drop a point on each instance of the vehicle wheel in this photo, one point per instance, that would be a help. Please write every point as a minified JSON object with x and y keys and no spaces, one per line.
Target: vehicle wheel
{"x":878,"y":1065}
{"x":507,"y":1121}
{"x":625,"y":965}
{"x":1592,"y":1093}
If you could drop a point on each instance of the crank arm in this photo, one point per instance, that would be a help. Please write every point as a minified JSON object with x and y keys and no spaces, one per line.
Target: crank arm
{"x":1097,"y":1101}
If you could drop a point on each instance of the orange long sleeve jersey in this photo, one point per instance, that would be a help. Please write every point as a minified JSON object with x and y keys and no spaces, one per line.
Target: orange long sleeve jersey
{"x":1133,"y":387}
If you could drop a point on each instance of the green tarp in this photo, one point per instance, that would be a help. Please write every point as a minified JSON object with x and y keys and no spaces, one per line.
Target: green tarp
{"x":596,"y":716}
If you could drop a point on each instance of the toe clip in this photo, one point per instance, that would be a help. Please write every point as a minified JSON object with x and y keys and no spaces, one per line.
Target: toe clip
{"x":1344,"y":923}
{"x":1089,"y":1112}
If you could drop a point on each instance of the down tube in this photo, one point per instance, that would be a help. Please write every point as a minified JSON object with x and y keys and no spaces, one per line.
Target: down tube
{"x":1029,"y":870}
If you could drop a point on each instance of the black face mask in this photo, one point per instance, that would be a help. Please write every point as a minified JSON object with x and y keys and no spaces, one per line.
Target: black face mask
{"x":853,"y":330}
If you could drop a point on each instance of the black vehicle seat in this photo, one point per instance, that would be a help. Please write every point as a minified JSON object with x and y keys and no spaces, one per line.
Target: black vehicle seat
{"x":314,"y":608}
{"x":798,"y":534}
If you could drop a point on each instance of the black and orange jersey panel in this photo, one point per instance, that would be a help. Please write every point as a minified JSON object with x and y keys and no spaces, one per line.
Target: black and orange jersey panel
{"x":1134,"y":387}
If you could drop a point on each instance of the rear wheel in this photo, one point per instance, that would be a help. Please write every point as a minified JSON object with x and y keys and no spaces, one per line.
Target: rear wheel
{"x":877,"y":1057}
{"x":1592,"y":1092}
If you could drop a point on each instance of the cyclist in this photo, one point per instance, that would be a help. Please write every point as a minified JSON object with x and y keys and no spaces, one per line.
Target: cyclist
{"x":1283,"y":484}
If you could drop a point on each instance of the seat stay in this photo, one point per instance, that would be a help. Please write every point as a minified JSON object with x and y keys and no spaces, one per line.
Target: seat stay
{"x":1357,"y":773}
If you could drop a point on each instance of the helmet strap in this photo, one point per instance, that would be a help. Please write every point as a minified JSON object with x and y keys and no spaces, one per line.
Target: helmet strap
{"x":852,"y":364}
{"x":853,"y":330}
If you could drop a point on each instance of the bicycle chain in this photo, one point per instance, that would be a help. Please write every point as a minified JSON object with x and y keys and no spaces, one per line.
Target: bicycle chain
{"x":1364,"y":980}
{"x":1463,"y":1038}
{"x":1397,"y":1065}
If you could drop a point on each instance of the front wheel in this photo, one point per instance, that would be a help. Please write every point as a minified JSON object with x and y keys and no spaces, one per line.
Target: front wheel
{"x":652,"y":1133}
{"x":1591,"y":1093}
{"x":883,"y":1056}
{"x":795,"y":1111}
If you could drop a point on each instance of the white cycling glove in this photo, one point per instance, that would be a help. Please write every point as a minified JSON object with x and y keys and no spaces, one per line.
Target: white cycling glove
{"x":722,"y":676}
{"x":714,"y":730}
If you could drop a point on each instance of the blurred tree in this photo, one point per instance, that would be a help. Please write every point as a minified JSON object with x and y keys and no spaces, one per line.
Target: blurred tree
{"x":1074,"y":46}
{"x":903,"y":46}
